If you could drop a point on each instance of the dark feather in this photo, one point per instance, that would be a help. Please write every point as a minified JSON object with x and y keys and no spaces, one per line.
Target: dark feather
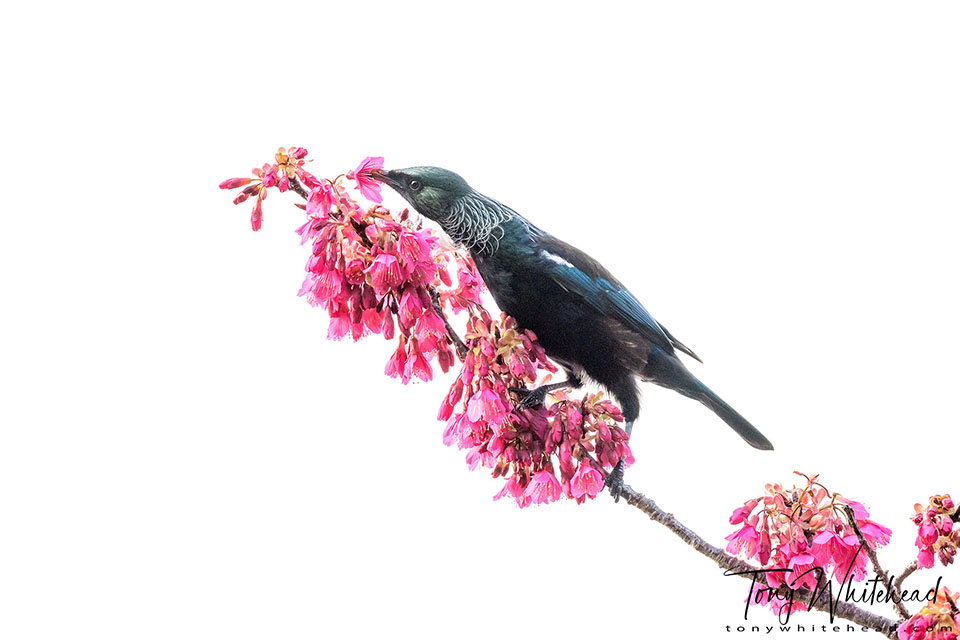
{"x":587,"y":278}
{"x":584,"y":318}
{"x":679,"y":345}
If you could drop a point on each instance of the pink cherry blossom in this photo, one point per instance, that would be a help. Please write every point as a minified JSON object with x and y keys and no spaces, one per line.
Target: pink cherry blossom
{"x":384,"y":273}
{"x":806,"y":531}
{"x":376,"y":272}
{"x":743,"y":512}
{"x":430,"y":324}
{"x":290,"y":164}
{"x":743,"y":541}
{"x":266,"y":177}
{"x":587,"y":481}
{"x":515,"y":490}
{"x":411,"y":306}
{"x":369,"y":188}
{"x":234,"y":183}
{"x":482,"y":416}
{"x":397,"y":363}
{"x":936,"y":535}
{"x":937,"y":620}
{"x":322,"y":200}
{"x":543,"y":488}
{"x":417,"y":365}
{"x":256,"y":217}
{"x":339,"y":327}
{"x":486,"y":405}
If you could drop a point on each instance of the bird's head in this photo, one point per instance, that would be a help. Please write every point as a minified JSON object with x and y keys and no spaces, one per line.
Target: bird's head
{"x":432,"y":191}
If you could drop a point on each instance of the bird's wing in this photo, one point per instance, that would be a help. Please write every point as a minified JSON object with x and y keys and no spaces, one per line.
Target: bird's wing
{"x":583,"y":276}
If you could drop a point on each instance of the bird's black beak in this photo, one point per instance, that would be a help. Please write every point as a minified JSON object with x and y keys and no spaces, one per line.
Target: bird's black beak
{"x":386,"y":178}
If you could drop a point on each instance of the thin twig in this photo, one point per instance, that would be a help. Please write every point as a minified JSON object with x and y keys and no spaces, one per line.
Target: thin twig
{"x":898,"y":583}
{"x":364,"y":240}
{"x":872,"y":554}
{"x":732,"y":564}
{"x":297,"y":188}
{"x":451,"y":332}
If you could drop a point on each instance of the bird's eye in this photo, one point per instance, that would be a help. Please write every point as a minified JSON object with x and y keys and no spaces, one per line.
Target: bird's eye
{"x":415,"y":185}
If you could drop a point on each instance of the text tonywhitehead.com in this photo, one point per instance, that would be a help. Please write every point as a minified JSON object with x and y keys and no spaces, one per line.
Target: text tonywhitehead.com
{"x":809,"y":628}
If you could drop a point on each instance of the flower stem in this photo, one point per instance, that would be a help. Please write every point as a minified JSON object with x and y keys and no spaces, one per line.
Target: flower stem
{"x":871,"y":552}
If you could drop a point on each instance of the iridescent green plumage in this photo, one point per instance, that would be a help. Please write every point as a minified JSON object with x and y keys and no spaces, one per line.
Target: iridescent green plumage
{"x":586,"y":320}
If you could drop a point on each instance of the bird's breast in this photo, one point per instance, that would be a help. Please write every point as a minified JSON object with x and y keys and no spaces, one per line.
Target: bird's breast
{"x":538,"y":303}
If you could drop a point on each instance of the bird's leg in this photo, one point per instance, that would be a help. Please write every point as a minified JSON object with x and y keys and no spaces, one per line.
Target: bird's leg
{"x":530,"y":398}
{"x":614,"y":481}
{"x":534,"y":397}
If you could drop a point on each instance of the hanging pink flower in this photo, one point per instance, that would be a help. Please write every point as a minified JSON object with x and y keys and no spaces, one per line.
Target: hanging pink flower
{"x":936,"y":535}
{"x":321,"y":200}
{"x":937,"y":620}
{"x":417,"y":365}
{"x":741,"y":513}
{"x":374,"y":272}
{"x":486,"y":406}
{"x":256,"y":217}
{"x":543,"y":488}
{"x":806,"y":532}
{"x":384,"y":273}
{"x":234,"y":183}
{"x":369,"y":188}
{"x":587,"y":481}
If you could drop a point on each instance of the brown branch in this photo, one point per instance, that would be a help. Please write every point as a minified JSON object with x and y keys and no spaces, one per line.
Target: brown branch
{"x":907,"y":572}
{"x":734,"y":565}
{"x":872,"y":554}
{"x":297,"y":188}
{"x":843,"y":610}
{"x":451,"y":332}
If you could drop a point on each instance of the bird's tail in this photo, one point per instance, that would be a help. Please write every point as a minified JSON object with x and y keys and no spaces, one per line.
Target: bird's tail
{"x":729,"y":415}
{"x":667,"y":370}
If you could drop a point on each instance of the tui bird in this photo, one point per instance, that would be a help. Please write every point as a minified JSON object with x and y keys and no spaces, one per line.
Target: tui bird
{"x":586,"y":321}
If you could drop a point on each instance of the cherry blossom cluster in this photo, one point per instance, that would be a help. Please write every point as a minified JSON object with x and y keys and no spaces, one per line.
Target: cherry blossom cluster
{"x":803,"y":533}
{"x":368,"y":270}
{"x":564,"y":449}
{"x":375,"y":272}
{"x":936,"y":533}
{"x":938,"y":620}
{"x":289,"y":165}
{"x":371,"y":271}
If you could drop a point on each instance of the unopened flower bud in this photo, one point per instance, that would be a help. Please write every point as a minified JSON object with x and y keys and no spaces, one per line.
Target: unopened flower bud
{"x":234,"y":183}
{"x":946,"y":554}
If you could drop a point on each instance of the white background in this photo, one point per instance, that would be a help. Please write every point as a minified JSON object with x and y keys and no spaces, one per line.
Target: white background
{"x":184,"y":455}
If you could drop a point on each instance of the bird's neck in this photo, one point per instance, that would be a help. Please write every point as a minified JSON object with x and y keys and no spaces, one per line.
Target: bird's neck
{"x":479,"y":223}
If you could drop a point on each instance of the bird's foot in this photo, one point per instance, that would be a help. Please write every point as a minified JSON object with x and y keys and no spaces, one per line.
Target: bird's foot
{"x":530,"y":398}
{"x":614,"y":481}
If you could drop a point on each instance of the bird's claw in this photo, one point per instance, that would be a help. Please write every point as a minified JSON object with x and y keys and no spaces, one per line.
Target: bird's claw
{"x":530,"y":398}
{"x":614,"y":481}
